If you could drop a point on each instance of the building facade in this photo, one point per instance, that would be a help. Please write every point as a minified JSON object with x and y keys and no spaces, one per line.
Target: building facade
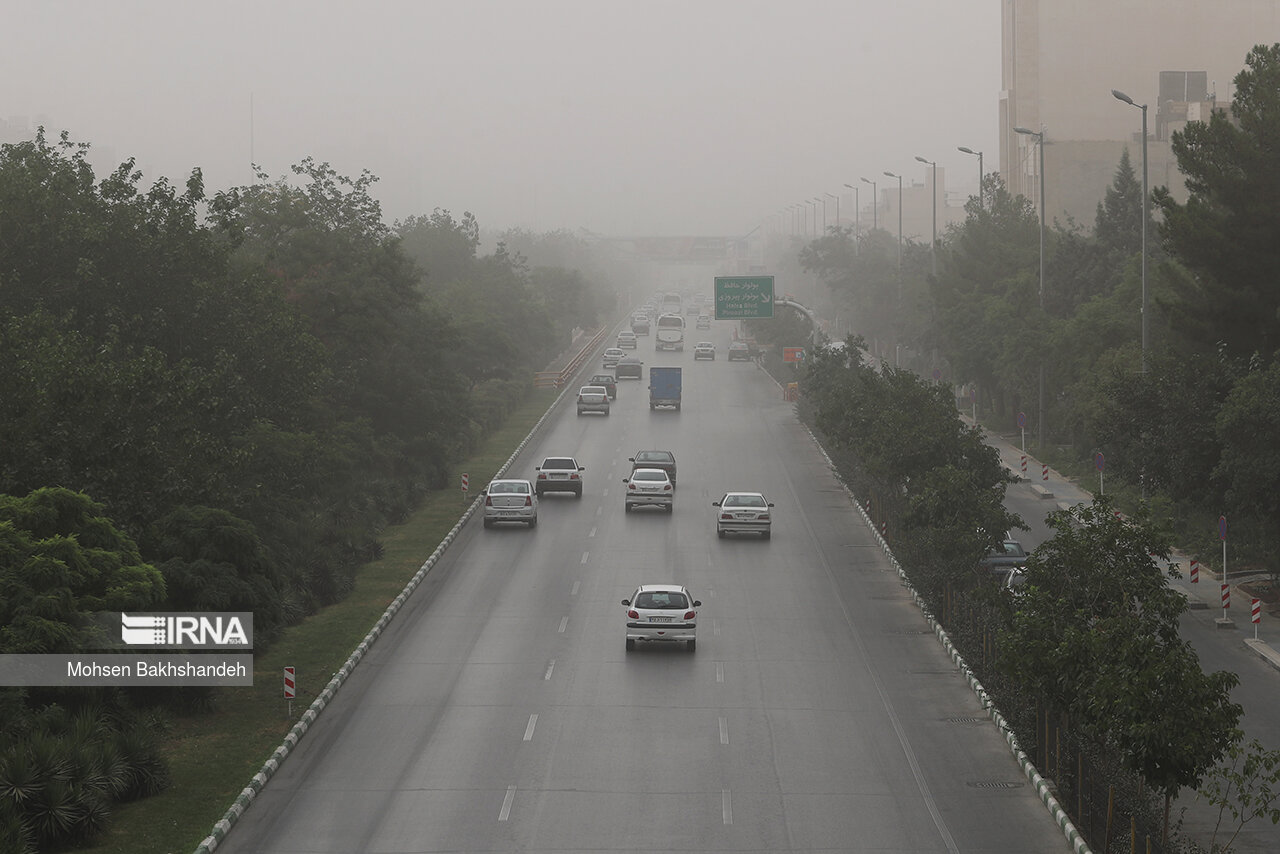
{"x":1061,"y":60}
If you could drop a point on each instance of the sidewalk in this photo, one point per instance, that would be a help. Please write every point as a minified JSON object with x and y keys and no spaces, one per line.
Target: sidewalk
{"x":1204,"y":595}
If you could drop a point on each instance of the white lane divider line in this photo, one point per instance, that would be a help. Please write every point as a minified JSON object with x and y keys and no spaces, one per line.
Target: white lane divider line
{"x":719,"y":671}
{"x":726,"y":808}
{"x":505,"y":813}
{"x":574,"y":591}
{"x":551,"y":665}
{"x":593,"y":532}
{"x":715,"y":627}
{"x":599,"y":510}
{"x":564,"y":623}
{"x":533,"y":722}
{"x":724,"y":730}
{"x":585,"y":555}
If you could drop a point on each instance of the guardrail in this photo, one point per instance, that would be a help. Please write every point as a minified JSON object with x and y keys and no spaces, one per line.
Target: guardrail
{"x":557,"y":379}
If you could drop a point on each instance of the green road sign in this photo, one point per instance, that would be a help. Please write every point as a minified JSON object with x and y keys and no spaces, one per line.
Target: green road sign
{"x":743,"y":297}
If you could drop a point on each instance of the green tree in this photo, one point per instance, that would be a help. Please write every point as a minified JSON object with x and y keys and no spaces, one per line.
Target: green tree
{"x":1225,"y":233}
{"x":1249,"y":467}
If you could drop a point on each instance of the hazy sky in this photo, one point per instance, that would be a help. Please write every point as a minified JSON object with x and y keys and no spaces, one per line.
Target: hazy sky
{"x":626,"y":118}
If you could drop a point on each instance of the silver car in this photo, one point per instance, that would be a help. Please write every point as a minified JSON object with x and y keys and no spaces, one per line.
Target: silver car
{"x":662,"y":613}
{"x":627,"y":339}
{"x":611,"y":356}
{"x":510,"y":501}
{"x":704,"y":350}
{"x":593,"y":398}
{"x":648,"y":488}
{"x":743,"y":512}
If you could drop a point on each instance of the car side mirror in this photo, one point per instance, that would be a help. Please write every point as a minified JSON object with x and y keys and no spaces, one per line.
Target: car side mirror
{"x":582,"y":468}
{"x":770,"y":503}
{"x":624,"y":480}
{"x":715,"y":503}
{"x":631,"y":459}
{"x":626,"y":602}
{"x":697,"y":603}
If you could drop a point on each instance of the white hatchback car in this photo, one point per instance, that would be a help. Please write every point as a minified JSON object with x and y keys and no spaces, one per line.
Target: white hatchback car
{"x":704,"y":350}
{"x":611,"y":356}
{"x":510,"y":501}
{"x":662,"y":613}
{"x":743,"y":512}
{"x":648,"y":488}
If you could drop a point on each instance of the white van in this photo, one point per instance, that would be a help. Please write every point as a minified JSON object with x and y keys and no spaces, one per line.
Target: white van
{"x":670,"y":334}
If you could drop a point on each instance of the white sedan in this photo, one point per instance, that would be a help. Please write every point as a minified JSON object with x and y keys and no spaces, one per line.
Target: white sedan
{"x":648,"y":488}
{"x":704,"y":350}
{"x":662,"y":613}
{"x":743,"y":512}
{"x":611,"y":356}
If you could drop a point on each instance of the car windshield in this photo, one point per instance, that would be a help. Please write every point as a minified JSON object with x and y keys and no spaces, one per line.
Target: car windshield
{"x":1010,"y":549}
{"x":744,"y":501}
{"x":649,"y":475}
{"x":559,"y":463}
{"x":509,"y":487}
{"x":653,"y":457}
{"x":661,"y":600}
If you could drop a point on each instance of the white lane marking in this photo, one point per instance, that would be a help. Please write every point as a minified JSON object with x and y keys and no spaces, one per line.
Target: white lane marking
{"x":574,"y":591}
{"x":585,"y":555}
{"x":551,"y":665}
{"x":605,"y":493}
{"x":724,"y":730}
{"x":715,"y":627}
{"x":719,"y":672}
{"x":506,"y":804}
{"x":593,"y":532}
{"x":564,"y":623}
{"x":726,"y":807}
{"x":599,"y":510}
{"x":533,"y":722}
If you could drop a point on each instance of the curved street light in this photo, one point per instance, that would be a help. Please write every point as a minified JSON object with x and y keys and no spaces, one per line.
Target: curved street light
{"x":1120,"y":96}
{"x":979,"y":156}
{"x":1039,"y":135}
{"x":933,"y":245}
{"x":856,"y":212}
{"x":875,"y":205}
{"x":899,"y":177}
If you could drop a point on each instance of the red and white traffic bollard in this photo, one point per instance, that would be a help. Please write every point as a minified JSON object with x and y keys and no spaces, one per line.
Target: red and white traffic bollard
{"x":1045,"y":475}
{"x":1256,"y":610}
{"x":1195,"y":571}
{"x":1226,"y":596}
{"x":1024,"y":463}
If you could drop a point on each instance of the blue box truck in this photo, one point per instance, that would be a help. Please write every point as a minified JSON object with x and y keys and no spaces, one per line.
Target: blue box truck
{"x":664,"y":387}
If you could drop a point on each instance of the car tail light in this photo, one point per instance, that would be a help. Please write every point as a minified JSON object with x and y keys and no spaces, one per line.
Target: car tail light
{"x":488,"y":501}
{"x":633,"y":614}
{"x":528,"y":501}
{"x":689,"y":615}
{"x":542,"y":475}
{"x":763,"y":517}
{"x":631,"y":486}
{"x":666,"y":487}
{"x":574,"y":476}
{"x":726,"y":515}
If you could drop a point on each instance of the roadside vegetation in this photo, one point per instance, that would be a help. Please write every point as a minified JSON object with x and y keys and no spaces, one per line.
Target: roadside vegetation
{"x":1086,"y":663}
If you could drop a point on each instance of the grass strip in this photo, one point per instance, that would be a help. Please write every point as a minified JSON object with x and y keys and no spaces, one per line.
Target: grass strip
{"x":213,"y":756}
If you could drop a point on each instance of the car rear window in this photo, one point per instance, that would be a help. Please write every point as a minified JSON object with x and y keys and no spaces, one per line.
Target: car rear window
{"x":744,"y":501}
{"x":509,"y":488}
{"x":654,"y":457}
{"x":559,"y":463}
{"x":649,"y":475}
{"x":661,"y":600}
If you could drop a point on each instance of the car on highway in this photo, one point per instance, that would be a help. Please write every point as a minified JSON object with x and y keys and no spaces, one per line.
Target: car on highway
{"x":593,"y":398}
{"x":559,"y":474}
{"x":611,"y":357}
{"x":664,"y":460}
{"x":607,"y":380}
{"x":640,"y":323}
{"x":627,"y":339}
{"x":648,"y":488}
{"x":739,"y":351}
{"x":510,"y":500}
{"x":704,"y":350}
{"x":704,"y":321}
{"x":662,"y":613}
{"x":629,"y":367}
{"x":743,"y":512}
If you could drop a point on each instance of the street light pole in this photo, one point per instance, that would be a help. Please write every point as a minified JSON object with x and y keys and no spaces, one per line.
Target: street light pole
{"x":857,"y":210}
{"x":814,"y":206}
{"x":824,"y":214}
{"x":979,"y":154}
{"x":875,"y":205}
{"x":1123,"y":97}
{"x":933,"y":247}
{"x":835,"y":196}
{"x":1039,"y":135}
{"x":899,"y":177}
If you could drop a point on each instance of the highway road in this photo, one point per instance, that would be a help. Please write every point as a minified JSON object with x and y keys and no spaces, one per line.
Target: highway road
{"x":501,"y":712}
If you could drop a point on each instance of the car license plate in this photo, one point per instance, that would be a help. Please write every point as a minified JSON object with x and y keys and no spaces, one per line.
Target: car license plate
{"x":507,"y":512}
{"x":745,"y":515}
{"x":661,"y":619}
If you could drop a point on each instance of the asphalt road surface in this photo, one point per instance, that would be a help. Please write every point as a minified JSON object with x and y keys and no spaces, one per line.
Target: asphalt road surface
{"x":501,"y":712}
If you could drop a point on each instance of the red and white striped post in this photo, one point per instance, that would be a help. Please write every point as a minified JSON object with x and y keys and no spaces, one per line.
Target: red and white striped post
{"x":1226,"y":599}
{"x":466,"y":484}
{"x":1045,"y":472}
{"x":1256,"y":612}
{"x":1195,"y":571}
{"x":290,"y":688}
{"x":1024,"y":463}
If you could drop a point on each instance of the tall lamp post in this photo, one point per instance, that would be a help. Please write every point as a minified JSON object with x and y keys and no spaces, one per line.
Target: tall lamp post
{"x":1120,"y":96}
{"x":875,"y":205}
{"x":979,"y":156}
{"x":899,"y":177}
{"x":835,"y":196}
{"x":1039,"y":135}
{"x":824,"y":215}
{"x":933,"y":247}
{"x":813,"y":204}
{"x":857,"y":209}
